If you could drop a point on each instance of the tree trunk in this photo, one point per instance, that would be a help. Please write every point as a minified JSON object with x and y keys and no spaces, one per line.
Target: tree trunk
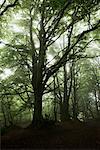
{"x":60,"y":98}
{"x":55,"y":103}
{"x":75,"y":105}
{"x":65,"y":103}
{"x":38,"y":65}
{"x":96,"y":104}
{"x":74,"y":101}
{"x":4,"y":115}
{"x":37,"y":116}
{"x":10,"y":118}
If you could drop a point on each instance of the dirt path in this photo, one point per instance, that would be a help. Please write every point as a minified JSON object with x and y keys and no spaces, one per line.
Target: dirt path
{"x":66,"y":135}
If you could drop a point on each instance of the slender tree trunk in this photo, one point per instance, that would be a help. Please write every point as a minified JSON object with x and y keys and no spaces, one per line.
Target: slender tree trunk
{"x":55,"y":104}
{"x":60,"y":98}
{"x":96,"y":104}
{"x":65,"y":103}
{"x":75,"y":107}
{"x":4,"y":115}
{"x":74,"y":100}
{"x":10,"y":118}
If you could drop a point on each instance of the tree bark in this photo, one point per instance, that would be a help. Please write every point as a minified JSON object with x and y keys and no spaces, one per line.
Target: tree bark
{"x":75,"y":107}
{"x":65,"y":115}
{"x":37,"y":116}
{"x":96,"y":104}
{"x":3,"y":111}
{"x":65,"y":103}
{"x":55,"y":103}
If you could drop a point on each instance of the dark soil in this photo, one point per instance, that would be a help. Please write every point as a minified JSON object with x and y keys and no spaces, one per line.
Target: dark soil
{"x":67,"y":135}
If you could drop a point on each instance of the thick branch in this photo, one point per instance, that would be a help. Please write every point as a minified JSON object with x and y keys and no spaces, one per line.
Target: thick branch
{"x":2,"y":4}
{"x":56,"y":21}
{"x":54,"y":68}
{"x":8,"y":6}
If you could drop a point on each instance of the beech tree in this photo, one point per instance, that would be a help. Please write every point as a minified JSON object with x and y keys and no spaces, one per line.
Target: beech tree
{"x":45,"y":22}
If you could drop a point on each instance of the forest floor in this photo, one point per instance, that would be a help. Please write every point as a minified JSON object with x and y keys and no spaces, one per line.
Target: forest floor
{"x":67,"y":135}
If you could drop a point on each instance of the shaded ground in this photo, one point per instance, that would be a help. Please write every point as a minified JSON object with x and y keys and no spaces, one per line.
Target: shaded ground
{"x":66,"y":135}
